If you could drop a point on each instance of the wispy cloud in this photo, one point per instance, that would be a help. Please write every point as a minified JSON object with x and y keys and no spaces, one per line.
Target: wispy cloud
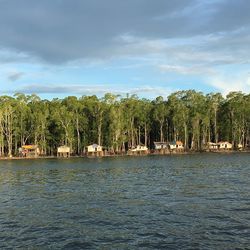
{"x":187,"y":70}
{"x":14,"y":76}
{"x":227,"y":83}
{"x":60,"y":31}
{"x":12,"y":55}
{"x":91,"y":89}
{"x":200,"y":41}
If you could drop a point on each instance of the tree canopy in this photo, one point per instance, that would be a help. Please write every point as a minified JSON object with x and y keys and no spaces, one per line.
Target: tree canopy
{"x":119,"y":123}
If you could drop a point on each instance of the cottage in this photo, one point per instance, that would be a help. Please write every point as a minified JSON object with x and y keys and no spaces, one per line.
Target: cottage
{"x":176,"y":145}
{"x":160,"y":145}
{"x":63,"y":151}
{"x":224,"y":145}
{"x":94,"y":150}
{"x":30,"y":151}
{"x":138,"y":150}
{"x":212,"y":145}
{"x":240,"y":146}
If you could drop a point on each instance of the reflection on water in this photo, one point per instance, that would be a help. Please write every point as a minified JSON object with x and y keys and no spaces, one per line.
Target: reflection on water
{"x":170,"y":202}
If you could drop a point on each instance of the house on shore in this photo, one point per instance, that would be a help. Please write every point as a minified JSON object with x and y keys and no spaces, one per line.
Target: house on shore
{"x":212,"y":146}
{"x":220,"y":146}
{"x":240,"y":146}
{"x":94,"y":150}
{"x":224,"y":145}
{"x":29,"y":151}
{"x":138,"y":150}
{"x":63,"y":151}
{"x":176,"y":146}
{"x":161,"y":145}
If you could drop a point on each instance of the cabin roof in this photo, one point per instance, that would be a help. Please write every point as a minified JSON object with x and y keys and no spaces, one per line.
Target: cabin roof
{"x":64,"y":146}
{"x":176,"y":143}
{"x":94,"y":145}
{"x":160,"y":143}
{"x":29,"y":146}
{"x":225,"y":142}
{"x":212,"y":143}
{"x":179,"y":143}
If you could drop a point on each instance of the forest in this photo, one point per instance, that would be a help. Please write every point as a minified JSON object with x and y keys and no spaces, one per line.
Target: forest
{"x":117,"y":122}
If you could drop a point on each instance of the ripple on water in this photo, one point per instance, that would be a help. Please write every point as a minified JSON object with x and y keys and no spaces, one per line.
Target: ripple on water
{"x":78,"y":244}
{"x":159,"y":202}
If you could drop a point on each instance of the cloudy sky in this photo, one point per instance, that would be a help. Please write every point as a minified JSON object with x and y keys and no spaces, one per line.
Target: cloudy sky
{"x":57,"y":48}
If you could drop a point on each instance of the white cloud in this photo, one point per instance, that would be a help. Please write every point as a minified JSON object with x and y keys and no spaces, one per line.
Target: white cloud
{"x":190,"y":38}
{"x":187,"y":70}
{"x":14,"y":76}
{"x":226,"y":84}
{"x":9,"y":56}
{"x":93,"y":89}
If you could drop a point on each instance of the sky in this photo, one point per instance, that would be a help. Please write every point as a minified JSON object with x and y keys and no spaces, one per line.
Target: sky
{"x":57,"y":48}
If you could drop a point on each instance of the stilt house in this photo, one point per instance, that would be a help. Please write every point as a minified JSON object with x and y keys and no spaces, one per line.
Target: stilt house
{"x":94,"y":150}
{"x":63,"y":151}
{"x":30,"y":151}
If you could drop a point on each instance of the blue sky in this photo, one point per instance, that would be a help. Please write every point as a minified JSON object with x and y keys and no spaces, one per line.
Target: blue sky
{"x":144,"y":47}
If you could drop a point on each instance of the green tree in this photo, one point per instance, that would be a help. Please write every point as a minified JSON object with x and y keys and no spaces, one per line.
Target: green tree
{"x":160,"y":113}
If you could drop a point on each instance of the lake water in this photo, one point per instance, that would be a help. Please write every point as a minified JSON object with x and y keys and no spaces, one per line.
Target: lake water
{"x":154,"y":202}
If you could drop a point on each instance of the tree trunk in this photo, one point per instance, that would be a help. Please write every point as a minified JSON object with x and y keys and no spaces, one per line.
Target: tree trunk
{"x":78,"y":135}
{"x":161,"y":131}
{"x":186,"y":136}
{"x":99,"y":133}
{"x":145,"y":135}
{"x":139,"y":135}
{"x":215,"y":126}
{"x":8,"y":130}
{"x":132,"y":132}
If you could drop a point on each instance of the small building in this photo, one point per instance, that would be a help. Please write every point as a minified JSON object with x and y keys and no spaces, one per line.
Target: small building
{"x":161,"y":145}
{"x":63,"y":151}
{"x":30,"y":151}
{"x":94,"y":150}
{"x":138,"y":150}
{"x":224,"y":145}
{"x":240,"y":146}
{"x":212,"y":145}
{"x":176,"y":145}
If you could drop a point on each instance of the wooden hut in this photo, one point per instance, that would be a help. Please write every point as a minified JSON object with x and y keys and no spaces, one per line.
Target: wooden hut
{"x":240,"y":146}
{"x":63,"y":151}
{"x":160,"y":145}
{"x":30,"y":151}
{"x":94,"y":150}
{"x":161,"y":148}
{"x":212,"y":146}
{"x":176,"y":145}
{"x":138,"y":150}
{"x":224,"y":145}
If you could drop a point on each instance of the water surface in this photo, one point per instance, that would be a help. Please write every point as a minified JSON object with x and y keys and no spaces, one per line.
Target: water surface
{"x":154,"y":202}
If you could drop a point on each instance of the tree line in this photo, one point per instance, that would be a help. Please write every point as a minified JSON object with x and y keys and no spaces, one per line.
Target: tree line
{"x":119,"y":123}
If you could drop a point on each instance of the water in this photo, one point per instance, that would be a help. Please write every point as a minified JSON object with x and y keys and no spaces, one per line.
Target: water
{"x":153,"y":202}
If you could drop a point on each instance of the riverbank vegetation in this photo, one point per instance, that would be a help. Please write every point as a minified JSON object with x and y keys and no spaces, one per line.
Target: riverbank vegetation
{"x":122,"y":122}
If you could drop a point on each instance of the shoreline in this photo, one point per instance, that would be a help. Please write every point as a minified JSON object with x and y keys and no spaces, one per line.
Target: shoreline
{"x":122,"y":155}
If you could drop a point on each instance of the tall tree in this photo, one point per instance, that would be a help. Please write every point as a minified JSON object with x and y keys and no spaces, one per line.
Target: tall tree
{"x":214,"y":102}
{"x":179,"y":115}
{"x":7,"y":120}
{"x":160,"y":113}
